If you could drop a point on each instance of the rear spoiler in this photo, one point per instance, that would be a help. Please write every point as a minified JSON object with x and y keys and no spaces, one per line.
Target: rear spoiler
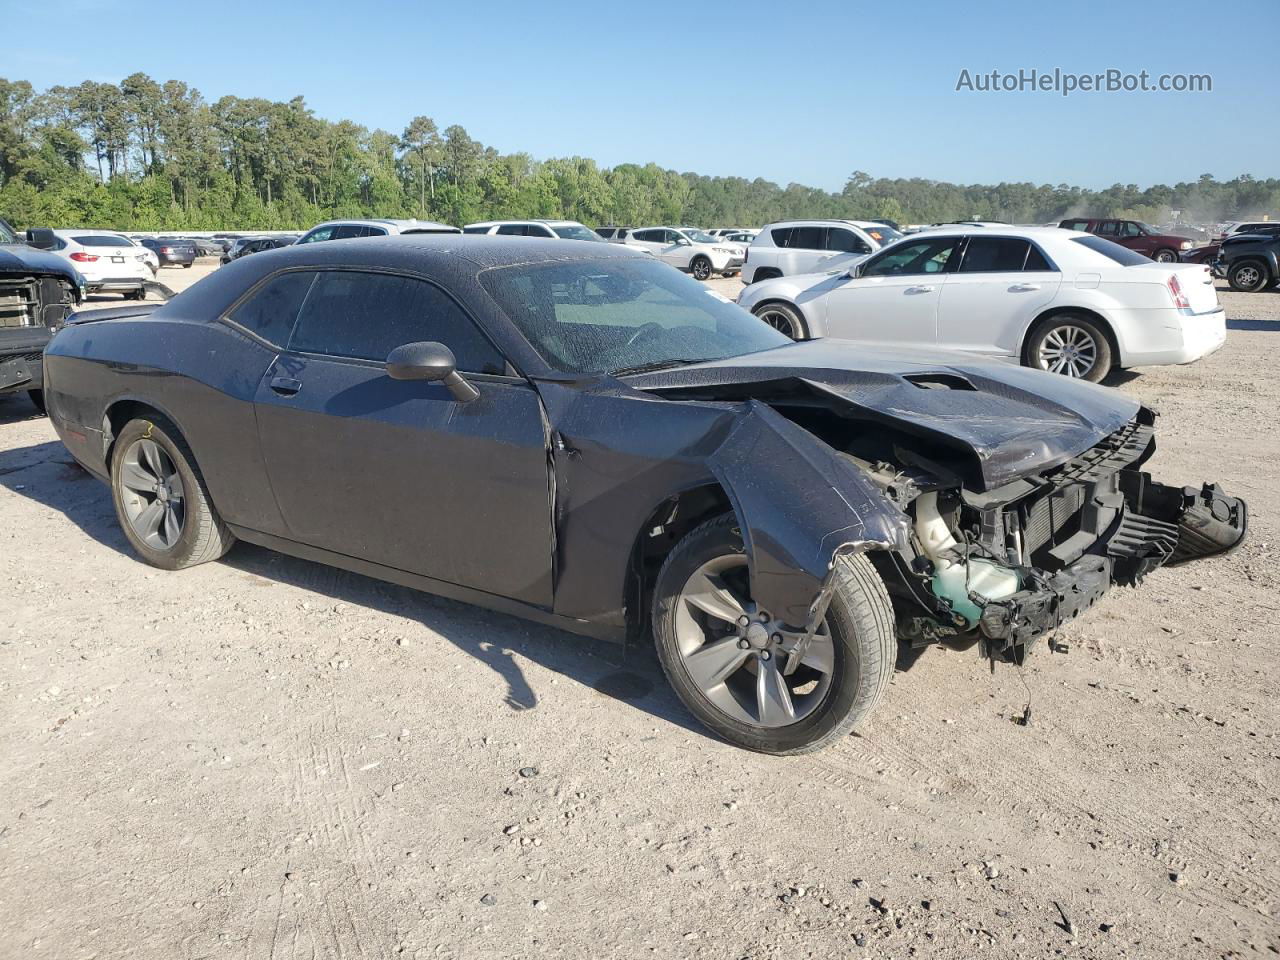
{"x":113,"y":313}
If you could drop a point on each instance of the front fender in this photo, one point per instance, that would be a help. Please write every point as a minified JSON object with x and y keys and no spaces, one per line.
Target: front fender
{"x":800,"y":505}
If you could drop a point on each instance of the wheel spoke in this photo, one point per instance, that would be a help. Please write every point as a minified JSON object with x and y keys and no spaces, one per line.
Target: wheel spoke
{"x":172,"y":525}
{"x":149,"y":454}
{"x":710,"y":595}
{"x":176,"y":490}
{"x":773,"y":699}
{"x":714,"y":662}
{"x":137,"y":478}
{"x":147,"y":523}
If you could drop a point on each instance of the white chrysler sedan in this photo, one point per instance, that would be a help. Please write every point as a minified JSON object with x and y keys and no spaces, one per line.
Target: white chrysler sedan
{"x":1060,"y":300}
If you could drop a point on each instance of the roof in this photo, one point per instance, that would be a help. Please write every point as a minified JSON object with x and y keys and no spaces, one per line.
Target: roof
{"x":401,"y":225}
{"x":549,"y":223}
{"x":862,"y":224}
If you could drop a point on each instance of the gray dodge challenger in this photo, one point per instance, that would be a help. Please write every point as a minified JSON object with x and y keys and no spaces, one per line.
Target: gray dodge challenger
{"x":579,"y":435}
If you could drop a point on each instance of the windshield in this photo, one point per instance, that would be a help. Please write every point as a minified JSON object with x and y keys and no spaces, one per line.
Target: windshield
{"x":607,"y":316}
{"x":576,"y":232}
{"x":102,"y":240}
{"x":883,"y":235}
{"x":697,"y":236}
{"x":6,"y":233}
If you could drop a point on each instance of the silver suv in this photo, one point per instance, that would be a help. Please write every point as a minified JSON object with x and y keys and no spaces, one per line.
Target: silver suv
{"x":350,"y":229}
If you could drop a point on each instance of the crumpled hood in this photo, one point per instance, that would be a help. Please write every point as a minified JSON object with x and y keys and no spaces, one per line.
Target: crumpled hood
{"x":1013,"y":420}
{"x":18,"y":258}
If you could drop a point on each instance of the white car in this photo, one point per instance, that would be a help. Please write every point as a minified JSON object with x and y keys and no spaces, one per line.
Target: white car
{"x":352,"y":229}
{"x":723,"y":233}
{"x":109,"y":262}
{"x":689,"y":250}
{"x":551,"y":229}
{"x":1060,"y":300}
{"x":801,"y":246}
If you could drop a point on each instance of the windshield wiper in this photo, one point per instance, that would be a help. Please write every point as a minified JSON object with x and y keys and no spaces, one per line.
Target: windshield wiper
{"x":653,"y":365}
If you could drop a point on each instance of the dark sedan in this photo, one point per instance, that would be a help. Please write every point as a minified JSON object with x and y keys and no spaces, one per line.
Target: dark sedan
{"x":170,"y":251}
{"x":579,"y":435}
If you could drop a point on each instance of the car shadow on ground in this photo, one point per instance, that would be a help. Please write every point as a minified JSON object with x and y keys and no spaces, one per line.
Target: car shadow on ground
{"x":16,"y":407}
{"x":1271,"y":325}
{"x":46,"y":474}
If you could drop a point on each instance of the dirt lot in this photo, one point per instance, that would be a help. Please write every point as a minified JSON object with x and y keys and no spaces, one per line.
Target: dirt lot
{"x":266,"y":758}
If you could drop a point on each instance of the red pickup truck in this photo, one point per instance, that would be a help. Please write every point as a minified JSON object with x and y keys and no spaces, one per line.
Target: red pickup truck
{"x":1135,"y":235}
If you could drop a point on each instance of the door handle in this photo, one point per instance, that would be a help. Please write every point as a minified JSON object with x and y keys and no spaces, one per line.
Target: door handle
{"x":1024,"y":287}
{"x":285,"y":386}
{"x":919,"y":289}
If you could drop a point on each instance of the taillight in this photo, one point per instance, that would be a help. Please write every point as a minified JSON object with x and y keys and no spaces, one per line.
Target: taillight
{"x":1179,"y":298}
{"x":79,"y":257}
{"x":166,"y":249}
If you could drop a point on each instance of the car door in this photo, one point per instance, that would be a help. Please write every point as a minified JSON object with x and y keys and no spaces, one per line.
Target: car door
{"x":399,"y":472}
{"x":1135,"y":238}
{"x":895,"y":297}
{"x":999,"y":286}
{"x":806,"y":248}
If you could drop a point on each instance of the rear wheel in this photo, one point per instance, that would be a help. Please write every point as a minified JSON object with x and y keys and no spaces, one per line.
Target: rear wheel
{"x":700,"y":268}
{"x":1072,"y":345}
{"x":161,"y":500}
{"x":784,"y":318}
{"x":1248,"y":276}
{"x":749,"y":677}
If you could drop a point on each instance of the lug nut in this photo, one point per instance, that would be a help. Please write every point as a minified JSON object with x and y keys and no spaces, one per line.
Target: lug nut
{"x":776,"y":638}
{"x":743,"y":620}
{"x":764,"y":617}
{"x":743,"y":644}
{"x":765,"y":654}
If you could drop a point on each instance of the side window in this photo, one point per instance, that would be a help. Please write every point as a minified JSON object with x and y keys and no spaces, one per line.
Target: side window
{"x":367,"y":315}
{"x":605,"y":232}
{"x":374,"y":232}
{"x":922,"y":256}
{"x":1077,"y":224}
{"x":475,"y":229}
{"x":808,"y":238}
{"x":271,"y":310}
{"x":540,"y":230}
{"x":513,"y":230}
{"x":648,"y":236}
{"x":845,"y":241}
{"x":1109,"y":228}
{"x":347,"y":231}
{"x":1037,"y":260}
{"x":782,"y":236}
{"x":320,"y":233}
{"x":994,"y":255}
{"x":1131,"y":229}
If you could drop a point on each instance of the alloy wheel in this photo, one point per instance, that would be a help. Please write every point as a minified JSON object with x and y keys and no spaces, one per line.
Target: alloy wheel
{"x":780,"y":322}
{"x":152,"y":494}
{"x":1248,"y":276}
{"x":747,"y":665}
{"x":1069,"y":350}
{"x":701,"y":269}
{"x":1165,"y":256}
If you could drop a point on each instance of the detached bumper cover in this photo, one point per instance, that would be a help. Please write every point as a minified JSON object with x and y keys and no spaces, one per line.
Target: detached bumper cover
{"x":21,"y":372}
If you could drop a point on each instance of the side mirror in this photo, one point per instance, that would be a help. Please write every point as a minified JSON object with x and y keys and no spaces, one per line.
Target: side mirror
{"x":433,"y":362}
{"x":41,"y":238}
{"x":855,"y":271}
{"x":683,"y":242}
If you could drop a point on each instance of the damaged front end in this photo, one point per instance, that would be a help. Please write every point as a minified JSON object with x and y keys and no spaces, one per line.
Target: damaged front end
{"x":1009,"y":565}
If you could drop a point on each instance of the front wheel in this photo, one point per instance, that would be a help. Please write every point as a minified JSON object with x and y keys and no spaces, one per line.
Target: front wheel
{"x":1247,"y":277}
{"x":1072,"y":345}
{"x":1166,"y":256}
{"x":161,"y":500}
{"x":746,"y":675}
{"x":700,"y":268}
{"x":784,"y":318}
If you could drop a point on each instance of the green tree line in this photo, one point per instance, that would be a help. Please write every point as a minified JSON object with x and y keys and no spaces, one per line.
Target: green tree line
{"x":145,"y":155}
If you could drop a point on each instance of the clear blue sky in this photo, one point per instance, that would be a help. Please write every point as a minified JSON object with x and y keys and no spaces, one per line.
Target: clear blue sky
{"x":803,"y":92}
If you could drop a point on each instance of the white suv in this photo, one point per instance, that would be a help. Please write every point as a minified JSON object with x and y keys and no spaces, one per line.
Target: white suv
{"x":107,"y":261}
{"x":690,"y":250}
{"x":551,"y":229}
{"x":351,"y":229}
{"x":798,"y":246}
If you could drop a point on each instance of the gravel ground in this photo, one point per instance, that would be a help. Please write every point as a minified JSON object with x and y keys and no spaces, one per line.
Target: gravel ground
{"x":267,"y":758}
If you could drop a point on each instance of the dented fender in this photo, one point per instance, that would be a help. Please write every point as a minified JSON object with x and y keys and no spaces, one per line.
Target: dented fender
{"x":801,"y":506}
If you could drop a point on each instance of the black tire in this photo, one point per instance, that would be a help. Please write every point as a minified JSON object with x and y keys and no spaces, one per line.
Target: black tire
{"x":1103,"y":355}
{"x":1248,"y":276}
{"x":1166,"y":256}
{"x":203,"y":536}
{"x":37,"y":399}
{"x":187,"y":266}
{"x":860,"y":621}
{"x":784,"y":318}
{"x":700,"y":267}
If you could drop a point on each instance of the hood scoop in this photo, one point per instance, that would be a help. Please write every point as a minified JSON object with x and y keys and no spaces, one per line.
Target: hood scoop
{"x":939,"y":381}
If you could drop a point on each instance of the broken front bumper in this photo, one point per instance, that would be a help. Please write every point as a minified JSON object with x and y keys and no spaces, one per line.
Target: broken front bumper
{"x":1156,"y":525}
